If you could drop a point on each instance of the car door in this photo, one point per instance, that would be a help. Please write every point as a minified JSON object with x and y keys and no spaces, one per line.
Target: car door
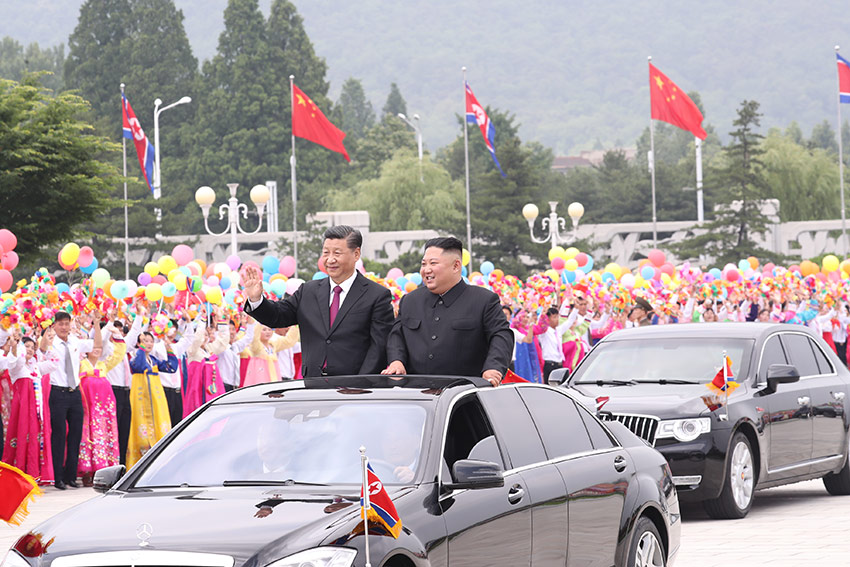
{"x":543,"y":483}
{"x":595,"y":470}
{"x":789,"y":407}
{"x":489,"y":526}
{"x":827,"y":391}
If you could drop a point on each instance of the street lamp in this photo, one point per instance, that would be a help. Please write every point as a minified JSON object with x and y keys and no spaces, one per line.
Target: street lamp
{"x":157,"y":179}
{"x":418,"y":139}
{"x":205,"y":197}
{"x":553,"y":222}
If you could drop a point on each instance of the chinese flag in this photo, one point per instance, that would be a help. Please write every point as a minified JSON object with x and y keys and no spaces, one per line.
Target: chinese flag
{"x":670,"y":104}
{"x":512,"y":377}
{"x":309,"y":123}
{"x":17,"y":489}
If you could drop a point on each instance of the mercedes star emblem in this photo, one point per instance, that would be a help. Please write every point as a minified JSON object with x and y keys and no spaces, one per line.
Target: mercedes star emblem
{"x":144,"y":533}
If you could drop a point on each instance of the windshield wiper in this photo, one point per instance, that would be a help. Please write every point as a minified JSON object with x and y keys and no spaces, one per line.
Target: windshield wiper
{"x":609,"y":382}
{"x":663,"y":381}
{"x":269,"y":482}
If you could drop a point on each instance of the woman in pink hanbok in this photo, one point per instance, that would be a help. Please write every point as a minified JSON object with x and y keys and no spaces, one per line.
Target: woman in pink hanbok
{"x":262,"y":364}
{"x":203,"y":381}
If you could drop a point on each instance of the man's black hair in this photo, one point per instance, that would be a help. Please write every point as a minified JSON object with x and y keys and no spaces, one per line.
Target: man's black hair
{"x":27,"y":340}
{"x":352,"y":236}
{"x":552,"y":311}
{"x":446,"y":243}
{"x":61,"y":316}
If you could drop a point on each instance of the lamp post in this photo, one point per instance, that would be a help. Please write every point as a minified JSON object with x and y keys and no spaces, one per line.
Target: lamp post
{"x":157,"y":179}
{"x":418,"y":139}
{"x":553,"y":222}
{"x":205,"y":197}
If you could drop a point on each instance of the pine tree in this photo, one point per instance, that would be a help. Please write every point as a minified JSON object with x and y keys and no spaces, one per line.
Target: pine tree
{"x":357,"y":113}
{"x":395,"y":104}
{"x":16,"y":61}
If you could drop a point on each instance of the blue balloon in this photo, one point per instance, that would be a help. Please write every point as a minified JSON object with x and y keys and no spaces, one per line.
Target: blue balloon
{"x":402,"y":281}
{"x":416,"y":278}
{"x":487,"y":267}
{"x":716,"y":273}
{"x":224,"y":282}
{"x":744,"y":265}
{"x":271,"y":265}
{"x":647,"y":272}
{"x":464,"y":272}
{"x":62,"y":287}
{"x":90,"y":268}
{"x":230,"y":297}
{"x":319,"y":275}
{"x":571,"y":276}
{"x":184,"y":270}
{"x":279,"y":288}
{"x":587,"y":268}
{"x":266,"y":276}
{"x":608,"y":276}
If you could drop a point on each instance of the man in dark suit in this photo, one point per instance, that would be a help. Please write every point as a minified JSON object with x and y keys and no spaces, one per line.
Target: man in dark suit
{"x":449,"y":327}
{"x":344,"y":319}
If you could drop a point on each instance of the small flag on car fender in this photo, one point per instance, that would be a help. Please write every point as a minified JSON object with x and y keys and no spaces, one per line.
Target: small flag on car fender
{"x":381,"y":508}
{"x":722,"y":382}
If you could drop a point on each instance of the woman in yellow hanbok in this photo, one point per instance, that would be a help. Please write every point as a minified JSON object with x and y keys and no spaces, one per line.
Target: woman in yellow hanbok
{"x":262,"y":364}
{"x":150,"y":418}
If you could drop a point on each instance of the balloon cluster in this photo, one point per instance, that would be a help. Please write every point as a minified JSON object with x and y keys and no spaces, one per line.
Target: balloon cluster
{"x":8,"y":258}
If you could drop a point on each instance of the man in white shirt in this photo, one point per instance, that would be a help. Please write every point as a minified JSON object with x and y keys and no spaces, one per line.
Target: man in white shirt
{"x":228,"y":361}
{"x":550,"y":343}
{"x":66,"y":404}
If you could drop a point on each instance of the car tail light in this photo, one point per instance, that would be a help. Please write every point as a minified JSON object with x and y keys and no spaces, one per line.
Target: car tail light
{"x":31,"y":545}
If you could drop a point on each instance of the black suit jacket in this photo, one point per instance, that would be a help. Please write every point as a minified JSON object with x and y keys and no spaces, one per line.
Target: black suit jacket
{"x":356,"y":344}
{"x":461,"y":333}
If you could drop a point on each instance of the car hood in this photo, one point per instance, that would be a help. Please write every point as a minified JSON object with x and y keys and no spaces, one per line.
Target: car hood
{"x":219,"y":520}
{"x":665,"y":401}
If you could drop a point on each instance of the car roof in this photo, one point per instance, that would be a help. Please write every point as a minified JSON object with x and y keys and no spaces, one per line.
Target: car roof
{"x":727,"y":330}
{"x":352,"y":388}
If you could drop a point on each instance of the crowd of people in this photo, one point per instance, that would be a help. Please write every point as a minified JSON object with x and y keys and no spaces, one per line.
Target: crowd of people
{"x":88,"y":383}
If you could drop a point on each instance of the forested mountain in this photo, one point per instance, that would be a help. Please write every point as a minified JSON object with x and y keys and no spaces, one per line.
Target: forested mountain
{"x":573,"y":74}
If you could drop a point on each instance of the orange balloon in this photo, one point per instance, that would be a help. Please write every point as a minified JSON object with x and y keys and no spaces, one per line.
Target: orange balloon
{"x":107,"y":289}
{"x":754,"y":262}
{"x":202,"y":264}
{"x":410,"y":286}
{"x":498,"y":274}
{"x":807,"y":268}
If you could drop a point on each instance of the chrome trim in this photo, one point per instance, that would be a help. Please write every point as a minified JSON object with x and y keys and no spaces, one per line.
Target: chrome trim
{"x":639,"y":424}
{"x":562,"y":459}
{"x":143,"y":558}
{"x":805,"y":464}
{"x":687,"y":480}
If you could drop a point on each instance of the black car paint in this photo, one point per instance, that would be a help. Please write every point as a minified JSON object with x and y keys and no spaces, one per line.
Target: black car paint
{"x":441,"y":526}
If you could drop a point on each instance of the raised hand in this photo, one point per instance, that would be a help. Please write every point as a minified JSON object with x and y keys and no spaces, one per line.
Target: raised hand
{"x":252,"y":283}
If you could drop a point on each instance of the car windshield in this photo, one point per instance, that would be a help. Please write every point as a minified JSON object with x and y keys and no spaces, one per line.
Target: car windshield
{"x":670,"y":360}
{"x":292,"y":442}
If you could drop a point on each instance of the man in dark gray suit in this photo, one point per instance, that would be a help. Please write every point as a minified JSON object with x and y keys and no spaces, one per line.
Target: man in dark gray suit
{"x":344,"y":319}
{"x":449,"y":327}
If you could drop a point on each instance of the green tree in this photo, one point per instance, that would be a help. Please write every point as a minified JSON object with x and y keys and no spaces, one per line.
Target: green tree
{"x":16,"y":61}
{"x":51,"y":164}
{"x":823,"y":137}
{"x":795,"y":133}
{"x":358,"y":116}
{"x":740,"y":185}
{"x":395,"y":104}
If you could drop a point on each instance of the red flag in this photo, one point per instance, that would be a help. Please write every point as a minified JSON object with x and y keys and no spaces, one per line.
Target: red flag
{"x":381,"y":507}
{"x":17,"y":490}
{"x":512,"y":377}
{"x":722,"y":381}
{"x":309,"y":123}
{"x":670,"y":104}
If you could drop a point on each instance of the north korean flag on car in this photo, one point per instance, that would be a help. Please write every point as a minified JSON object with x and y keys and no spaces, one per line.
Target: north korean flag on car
{"x":475,"y":114}
{"x":722,"y":381}
{"x":843,"y":79}
{"x":133,"y":130}
{"x":381,"y":507}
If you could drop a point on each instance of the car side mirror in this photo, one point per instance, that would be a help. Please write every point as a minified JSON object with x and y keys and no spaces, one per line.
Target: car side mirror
{"x":468,"y":473}
{"x":781,"y":374}
{"x":104,"y":479}
{"x":559,"y":376}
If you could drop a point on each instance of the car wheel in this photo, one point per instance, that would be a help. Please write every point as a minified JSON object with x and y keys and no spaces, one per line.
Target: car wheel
{"x":646,"y":549}
{"x":838,"y":484}
{"x":736,"y":498}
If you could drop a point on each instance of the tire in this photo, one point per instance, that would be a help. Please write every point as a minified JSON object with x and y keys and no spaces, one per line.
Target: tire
{"x":736,"y":498}
{"x":646,"y":549}
{"x":838,"y":484}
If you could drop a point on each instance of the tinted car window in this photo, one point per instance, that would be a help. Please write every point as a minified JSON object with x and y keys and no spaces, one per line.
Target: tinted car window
{"x":598,"y":436}
{"x":470,"y":435}
{"x":558,"y":421}
{"x":773,"y":353}
{"x":824,"y":365}
{"x":800,"y":352}
{"x":514,"y":426}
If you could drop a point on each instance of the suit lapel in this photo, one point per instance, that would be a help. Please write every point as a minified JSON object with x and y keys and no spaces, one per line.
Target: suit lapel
{"x":358,"y":288}
{"x":323,"y":299}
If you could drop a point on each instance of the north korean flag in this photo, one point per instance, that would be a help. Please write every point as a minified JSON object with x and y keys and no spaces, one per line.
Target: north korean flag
{"x":381,"y":507}
{"x":475,"y":115}
{"x":133,"y":130}
{"x":843,"y":79}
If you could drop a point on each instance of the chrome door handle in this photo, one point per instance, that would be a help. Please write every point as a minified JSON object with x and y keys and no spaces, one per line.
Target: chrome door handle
{"x":515,"y":494}
{"x":839,"y":396}
{"x":619,"y":464}
{"x":804,"y":400}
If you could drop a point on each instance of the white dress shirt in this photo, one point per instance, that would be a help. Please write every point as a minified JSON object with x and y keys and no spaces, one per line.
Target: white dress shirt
{"x":77,"y":348}
{"x":228,"y":361}
{"x":34,"y":368}
{"x":180,"y":348}
{"x":550,"y":343}
{"x":839,"y":333}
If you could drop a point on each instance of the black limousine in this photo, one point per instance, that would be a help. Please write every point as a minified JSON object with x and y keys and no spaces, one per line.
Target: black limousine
{"x":270,"y":476}
{"x":786,"y":421}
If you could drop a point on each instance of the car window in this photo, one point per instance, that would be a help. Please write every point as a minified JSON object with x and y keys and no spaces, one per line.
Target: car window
{"x":561,"y":427}
{"x":824,"y":365}
{"x":598,"y":436}
{"x":800,"y":352}
{"x":514,"y":426}
{"x":773,"y":353}
{"x":470,"y":435}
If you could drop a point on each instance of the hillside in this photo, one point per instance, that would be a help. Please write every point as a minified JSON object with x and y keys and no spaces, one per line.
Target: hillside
{"x":572,"y":73}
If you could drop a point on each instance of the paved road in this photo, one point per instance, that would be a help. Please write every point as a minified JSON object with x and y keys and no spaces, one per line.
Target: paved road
{"x":790,"y":526}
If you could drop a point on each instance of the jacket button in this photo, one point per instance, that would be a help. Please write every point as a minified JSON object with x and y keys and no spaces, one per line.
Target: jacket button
{"x":328,"y":341}
{"x":436,"y":318}
{"x":433,"y":337}
{"x":430,"y":356}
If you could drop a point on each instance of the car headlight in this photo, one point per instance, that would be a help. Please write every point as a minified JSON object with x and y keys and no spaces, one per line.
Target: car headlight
{"x":13,"y":559}
{"x":683,"y":429}
{"x":317,"y":557}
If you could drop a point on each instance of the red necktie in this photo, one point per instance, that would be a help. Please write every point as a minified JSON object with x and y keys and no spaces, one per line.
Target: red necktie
{"x":335,"y":303}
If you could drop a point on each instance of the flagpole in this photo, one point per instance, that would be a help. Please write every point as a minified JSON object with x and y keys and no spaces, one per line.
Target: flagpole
{"x":126,"y":222}
{"x":652,"y":169}
{"x":366,"y":504}
{"x":726,"y":383}
{"x":292,"y":170}
{"x":700,"y":204}
{"x":466,"y":164}
{"x":841,"y":171}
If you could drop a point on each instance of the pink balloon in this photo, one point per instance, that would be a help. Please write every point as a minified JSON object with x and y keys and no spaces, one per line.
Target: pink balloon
{"x":5,"y":280}
{"x":9,"y":260}
{"x":733,"y":274}
{"x":160,"y":279}
{"x":656,"y":257}
{"x":321,"y":265}
{"x":182,"y":254}
{"x":558,"y":263}
{"x":287,"y":266}
{"x":144,"y":278}
{"x":86,"y":257}
{"x":7,"y":240}
{"x":394,"y":273}
{"x":581,"y":260}
{"x":668,"y":269}
{"x":233,"y":262}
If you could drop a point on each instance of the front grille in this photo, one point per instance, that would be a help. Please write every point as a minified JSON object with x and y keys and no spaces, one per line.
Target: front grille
{"x":144,"y":558}
{"x":644,"y":426}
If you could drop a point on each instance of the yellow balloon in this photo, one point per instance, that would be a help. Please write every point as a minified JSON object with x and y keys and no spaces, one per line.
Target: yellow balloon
{"x":173,"y":274}
{"x":152,"y":269}
{"x":166,"y":264}
{"x":555,"y":252}
{"x":830,"y":263}
{"x":553,"y":275}
{"x":570,"y":252}
{"x":614,"y":269}
{"x":179,"y":281}
{"x":639,"y":281}
{"x":571,"y":265}
{"x":665,"y":278}
{"x":153,"y":292}
{"x":214,"y":295}
{"x":465,"y":257}
{"x":70,"y":253}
